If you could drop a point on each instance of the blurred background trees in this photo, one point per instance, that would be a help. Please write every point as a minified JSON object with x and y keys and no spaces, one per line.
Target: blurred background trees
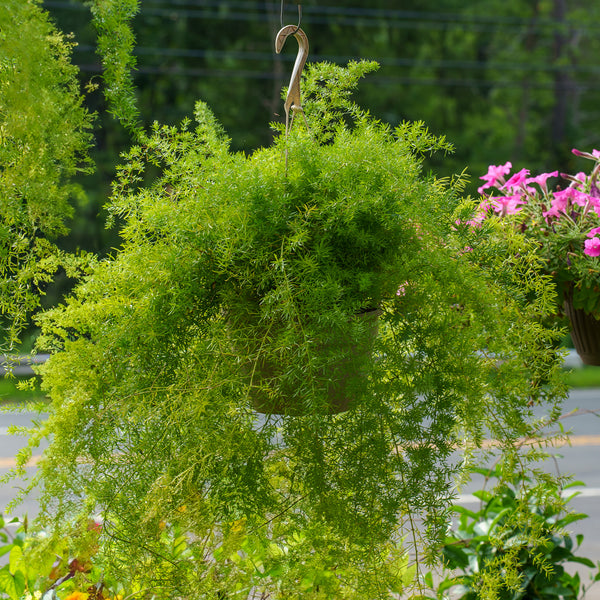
{"x":502,"y":79}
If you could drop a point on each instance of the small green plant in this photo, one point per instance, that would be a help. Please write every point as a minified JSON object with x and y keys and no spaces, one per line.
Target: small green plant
{"x":14,"y":578}
{"x":41,"y":567}
{"x":516,"y":545}
{"x":229,"y":263}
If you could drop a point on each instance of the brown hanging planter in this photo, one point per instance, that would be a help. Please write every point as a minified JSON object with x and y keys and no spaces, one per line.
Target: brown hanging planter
{"x":344,"y":378}
{"x":585,"y":333}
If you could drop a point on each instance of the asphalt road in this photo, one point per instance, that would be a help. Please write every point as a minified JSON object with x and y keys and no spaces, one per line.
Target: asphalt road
{"x":581,"y":459}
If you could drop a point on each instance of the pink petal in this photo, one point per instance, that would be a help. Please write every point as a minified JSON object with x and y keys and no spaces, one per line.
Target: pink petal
{"x":592,"y":247}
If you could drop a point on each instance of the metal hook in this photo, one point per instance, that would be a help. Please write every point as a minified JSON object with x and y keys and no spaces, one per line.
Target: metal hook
{"x":293,"y":100}
{"x":299,"y":16}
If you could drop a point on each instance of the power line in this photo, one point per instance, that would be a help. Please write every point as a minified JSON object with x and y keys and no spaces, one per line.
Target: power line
{"x":224,"y":12}
{"x":381,"y":14}
{"x":354,"y":17}
{"x":376,"y":79}
{"x":384,"y":61}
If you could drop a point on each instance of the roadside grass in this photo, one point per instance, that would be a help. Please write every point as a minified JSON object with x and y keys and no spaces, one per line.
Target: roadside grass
{"x":18,"y":389}
{"x":584,"y":377}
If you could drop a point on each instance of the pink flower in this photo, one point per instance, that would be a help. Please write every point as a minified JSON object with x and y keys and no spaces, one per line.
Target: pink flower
{"x":554,"y":211}
{"x":507,"y":205}
{"x":517,"y":180}
{"x":580,"y":198}
{"x":559,"y":203}
{"x":594,"y":155}
{"x":477,"y":220}
{"x":592,"y":247}
{"x":495,"y":176}
{"x":580,"y":180}
{"x":480,"y":214}
{"x":484,"y":206}
{"x":541,"y":179}
{"x":593,"y":232}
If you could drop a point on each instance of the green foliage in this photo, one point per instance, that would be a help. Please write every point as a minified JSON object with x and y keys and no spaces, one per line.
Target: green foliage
{"x":16,"y":576}
{"x":44,"y":138}
{"x":42,"y":566}
{"x":516,"y":545}
{"x":234,"y":284}
{"x":497,"y":78}
{"x":39,"y":566}
{"x":583,"y":377}
{"x":116,"y":42}
{"x":248,"y":281}
{"x":18,"y":390}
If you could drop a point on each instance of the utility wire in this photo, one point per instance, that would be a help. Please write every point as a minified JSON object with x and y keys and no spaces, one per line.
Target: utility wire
{"x":257,"y":11}
{"x":375,"y":79}
{"x":163,"y":52}
{"x":393,"y":19}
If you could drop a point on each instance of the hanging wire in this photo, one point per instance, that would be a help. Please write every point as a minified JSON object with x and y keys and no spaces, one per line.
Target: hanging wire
{"x":299,"y":15}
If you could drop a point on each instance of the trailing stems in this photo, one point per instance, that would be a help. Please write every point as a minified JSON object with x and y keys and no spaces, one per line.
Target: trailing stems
{"x":116,"y":42}
{"x":235,"y":282}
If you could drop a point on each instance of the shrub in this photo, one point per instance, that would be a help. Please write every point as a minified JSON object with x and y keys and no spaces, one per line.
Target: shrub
{"x":516,"y":545}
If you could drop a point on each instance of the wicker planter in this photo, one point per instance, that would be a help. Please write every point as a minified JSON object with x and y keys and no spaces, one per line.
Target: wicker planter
{"x":344,"y":378}
{"x":585,"y":332}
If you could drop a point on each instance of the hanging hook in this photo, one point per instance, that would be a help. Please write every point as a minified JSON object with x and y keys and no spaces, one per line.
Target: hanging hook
{"x":299,"y":15}
{"x":293,"y":98}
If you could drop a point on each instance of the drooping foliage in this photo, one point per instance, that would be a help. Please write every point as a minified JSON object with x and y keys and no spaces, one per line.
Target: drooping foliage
{"x":116,"y":42}
{"x":44,"y":139}
{"x":342,"y":277}
{"x":235,"y":280}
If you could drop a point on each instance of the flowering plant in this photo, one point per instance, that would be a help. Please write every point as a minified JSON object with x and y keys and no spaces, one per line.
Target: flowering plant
{"x":563,"y":222}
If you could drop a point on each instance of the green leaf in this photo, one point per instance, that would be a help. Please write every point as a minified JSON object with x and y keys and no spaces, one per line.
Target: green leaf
{"x":450,"y":583}
{"x":455,"y":557}
{"x":461,"y":510}
{"x":15,"y":559}
{"x":582,"y":561}
{"x":428,"y":579}
{"x":571,"y":518}
{"x":13,"y":585}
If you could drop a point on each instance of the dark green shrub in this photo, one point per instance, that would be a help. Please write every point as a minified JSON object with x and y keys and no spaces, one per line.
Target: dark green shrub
{"x":516,"y":545}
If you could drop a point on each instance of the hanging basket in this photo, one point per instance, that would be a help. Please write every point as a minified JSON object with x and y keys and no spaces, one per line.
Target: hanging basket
{"x":341,"y":380}
{"x":585,"y":333}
